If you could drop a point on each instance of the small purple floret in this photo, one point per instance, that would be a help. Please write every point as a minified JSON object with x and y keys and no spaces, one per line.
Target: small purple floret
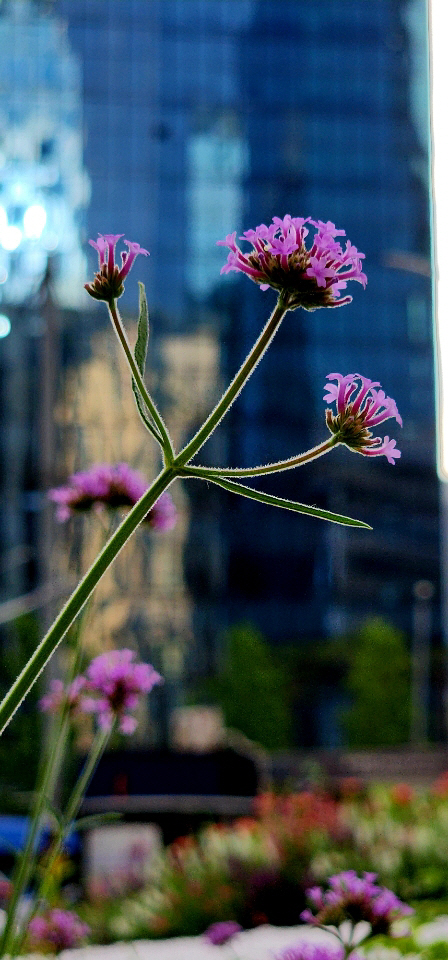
{"x":312,"y":276}
{"x":360,"y":406}
{"x":219,"y":933}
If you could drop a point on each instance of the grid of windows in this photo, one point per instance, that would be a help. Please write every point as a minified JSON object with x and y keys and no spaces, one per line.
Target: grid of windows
{"x":203,"y":112}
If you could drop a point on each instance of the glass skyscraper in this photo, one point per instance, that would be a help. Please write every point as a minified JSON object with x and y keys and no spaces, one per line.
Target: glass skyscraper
{"x":206,"y":116}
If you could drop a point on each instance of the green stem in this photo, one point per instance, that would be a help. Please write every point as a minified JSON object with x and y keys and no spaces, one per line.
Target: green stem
{"x":163,"y":436}
{"x":23,"y":871}
{"x":210,"y":472}
{"x":73,"y":805}
{"x":59,"y":628}
{"x":49,"y":774}
{"x":237,"y":383}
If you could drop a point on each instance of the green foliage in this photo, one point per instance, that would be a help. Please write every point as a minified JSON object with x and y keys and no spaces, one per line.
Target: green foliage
{"x":253,"y":690}
{"x":21,"y":741}
{"x":379,"y":681}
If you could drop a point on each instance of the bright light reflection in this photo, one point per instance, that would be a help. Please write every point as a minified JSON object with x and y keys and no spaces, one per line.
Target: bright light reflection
{"x":11,"y":237}
{"x":34,"y":220}
{"x":5,"y":325}
{"x":3,"y":275}
{"x":439,"y":79}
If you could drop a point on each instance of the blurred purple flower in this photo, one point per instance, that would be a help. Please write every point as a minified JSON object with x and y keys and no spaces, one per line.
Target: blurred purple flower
{"x":108,"y":281}
{"x":313,"y":277}
{"x":311,"y":951}
{"x":356,"y":899}
{"x":119,"y":683}
{"x":221,"y":932}
{"x":57,"y":930}
{"x":360,"y":406}
{"x":113,"y":486}
{"x":163,"y":515}
{"x":58,"y":695}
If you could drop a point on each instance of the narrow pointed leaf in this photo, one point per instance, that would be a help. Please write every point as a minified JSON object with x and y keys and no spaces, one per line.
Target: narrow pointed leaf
{"x":140,"y":353}
{"x":286,"y":504}
{"x":141,"y":346}
{"x":96,"y":820}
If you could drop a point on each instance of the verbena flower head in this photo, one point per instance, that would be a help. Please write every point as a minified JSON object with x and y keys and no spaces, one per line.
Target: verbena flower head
{"x":58,"y":695}
{"x":356,"y":899}
{"x":360,"y":406}
{"x":57,"y":930}
{"x":222,"y":932}
{"x":113,"y":486}
{"x":311,"y":951}
{"x":119,"y":682}
{"x":311,"y":276}
{"x":108,"y":283}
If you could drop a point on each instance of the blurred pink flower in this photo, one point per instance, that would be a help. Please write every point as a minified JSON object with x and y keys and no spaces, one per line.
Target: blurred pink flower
{"x":280,"y":259}
{"x":222,"y":932}
{"x":360,"y":406}
{"x":58,"y":694}
{"x":119,"y":683}
{"x":57,"y":930}
{"x":108,"y":281}
{"x":354,"y":898}
{"x":111,"y":485}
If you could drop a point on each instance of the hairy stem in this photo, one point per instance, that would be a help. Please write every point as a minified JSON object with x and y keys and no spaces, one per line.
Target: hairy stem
{"x":69,"y":612}
{"x":209,"y":472}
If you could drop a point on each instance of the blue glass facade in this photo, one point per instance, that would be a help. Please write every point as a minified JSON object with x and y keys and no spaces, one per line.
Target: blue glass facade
{"x":205,"y":116}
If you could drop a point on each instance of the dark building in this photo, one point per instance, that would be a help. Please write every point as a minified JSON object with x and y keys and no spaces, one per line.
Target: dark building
{"x":205,"y":116}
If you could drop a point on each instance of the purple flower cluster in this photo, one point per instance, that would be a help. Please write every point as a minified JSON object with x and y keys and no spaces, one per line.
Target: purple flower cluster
{"x":57,"y":930}
{"x":118,"y":683}
{"x":221,"y":932}
{"x":312,"y":277}
{"x":113,"y":486}
{"x":355,"y":898}
{"x":108,"y":282}
{"x":312,"y":951}
{"x":360,"y":406}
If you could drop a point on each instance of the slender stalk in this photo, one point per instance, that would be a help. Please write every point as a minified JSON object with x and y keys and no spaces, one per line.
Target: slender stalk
{"x":237,"y":383}
{"x":99,"y":744}
{"x":24,"y":867}
{"x":209,"y":472}
{"x":69,"y":612}
{"x":163,"y":438}
{"x":50,"y":771}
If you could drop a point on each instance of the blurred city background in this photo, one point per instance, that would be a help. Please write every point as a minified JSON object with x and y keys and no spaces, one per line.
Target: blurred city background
{"x":177,"y":122}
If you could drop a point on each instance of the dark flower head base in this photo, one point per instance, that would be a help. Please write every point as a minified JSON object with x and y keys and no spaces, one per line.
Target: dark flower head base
{"x":360,"y":406}
{"x":108,"y":283}
{"x":309,"y":278}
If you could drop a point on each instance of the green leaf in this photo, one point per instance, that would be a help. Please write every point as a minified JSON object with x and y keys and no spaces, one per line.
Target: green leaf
{"x":140,"y":353}
{"x":141,"y":346}
{"x":286,"y":504}
{"x":96,"y":819}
